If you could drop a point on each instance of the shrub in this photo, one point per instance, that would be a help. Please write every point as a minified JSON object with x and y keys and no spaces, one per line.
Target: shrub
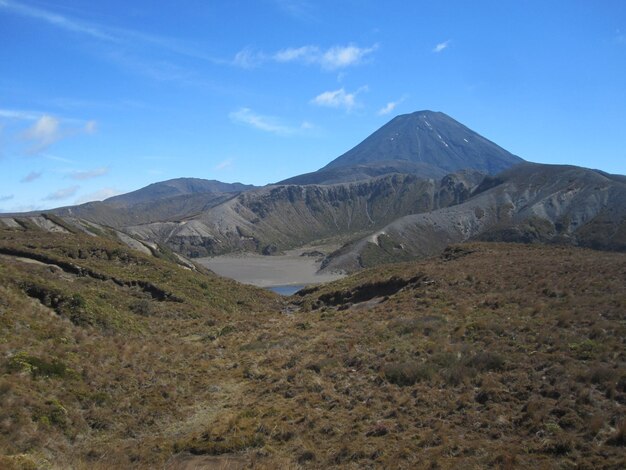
{"x":142,"y":307}
{"x":408,"y":373}
{"x":486,"y":361}
{"x":37,"y":367}
{"x":585,"y":349}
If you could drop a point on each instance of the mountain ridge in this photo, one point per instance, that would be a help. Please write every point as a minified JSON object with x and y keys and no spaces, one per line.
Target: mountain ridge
{"x":176,"y":187}
{"x":528,"y":203}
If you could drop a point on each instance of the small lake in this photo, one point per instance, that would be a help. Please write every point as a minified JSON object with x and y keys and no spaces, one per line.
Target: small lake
{"x":286,"y":290}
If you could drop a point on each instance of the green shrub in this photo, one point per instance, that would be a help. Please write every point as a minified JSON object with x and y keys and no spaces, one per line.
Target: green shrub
{"x":37,"y":367}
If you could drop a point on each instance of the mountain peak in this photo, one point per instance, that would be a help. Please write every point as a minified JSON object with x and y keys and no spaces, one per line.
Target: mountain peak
{"x":428,"y":138}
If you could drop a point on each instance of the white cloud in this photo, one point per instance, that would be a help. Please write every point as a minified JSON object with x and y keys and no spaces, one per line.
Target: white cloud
{"x":307,"y":54}
{"x":99,"y":195}
{"x":389,"y":107}
{"x":338,"y":99}
{"x":339,"y":57}
{"x":88,"y":174}
{"x":442,"y":46}
{"x":56,"y":158}
{"x":19,"y":114}
{"x":224,"y":164}
{"x":32,"y":176}
{"x":263,"y":123}
{"x":45,"y":132}
{"x":333,"y":58}
{"x":47,"y":129}
{"x":62,"y":193}
{"x":248,"y":58}
{"x":90,"y":127}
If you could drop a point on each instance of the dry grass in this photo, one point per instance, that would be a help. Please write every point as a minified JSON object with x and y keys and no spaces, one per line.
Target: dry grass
{"x":508,"y":356}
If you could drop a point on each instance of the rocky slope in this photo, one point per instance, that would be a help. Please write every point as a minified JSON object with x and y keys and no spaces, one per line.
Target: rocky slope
{"x":278,"y":217}
{"x":529,"y":203}
{"x":167,"y":200}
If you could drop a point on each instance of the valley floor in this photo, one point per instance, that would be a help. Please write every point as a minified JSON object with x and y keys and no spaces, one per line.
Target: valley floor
{"x":294,"y":267}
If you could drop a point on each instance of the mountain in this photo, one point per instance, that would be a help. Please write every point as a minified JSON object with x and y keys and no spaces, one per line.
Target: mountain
{"x":376,"y":206}
{"x":528,"y":203}
{"x":279,"y":217}
{"x":167,"y":200}
{"x":176,"y":187}
{"x":429,"y":144}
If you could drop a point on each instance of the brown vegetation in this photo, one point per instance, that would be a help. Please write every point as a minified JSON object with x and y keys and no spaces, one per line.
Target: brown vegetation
{"x":499,"y":355}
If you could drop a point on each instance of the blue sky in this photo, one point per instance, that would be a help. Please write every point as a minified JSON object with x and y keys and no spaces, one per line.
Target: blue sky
{"x":100,"y":98}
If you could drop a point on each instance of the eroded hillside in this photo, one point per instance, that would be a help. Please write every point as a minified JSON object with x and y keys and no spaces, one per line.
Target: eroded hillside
{"x":276,"y":218}
{"x":530,"y":203}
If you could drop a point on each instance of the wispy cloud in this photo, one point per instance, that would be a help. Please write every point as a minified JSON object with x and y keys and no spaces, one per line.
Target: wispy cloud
{"x":333,"y":58}
{"x":32,"y":176}
{"x":389,"y":107}
{"x":109,"y":34}
{"x":6,"y":198}
{"x":338,"y":99}
{"x":442,"y":46}
{"x":90,"y":127}
{"x":264,"y":123}
{"x":64,"y":193}
{"x":249,"y":58}
{"x":56,"y":158}
{"x":339,"y":57}
{"x":46,"y":129}
{"x":300,"y":9}
{"x":99,"y":195}
{"x":223,"y":164}
{"x":88,"y":174}
{"x":56,"y":20}
{"x":41,"y":135}
{"x":336,"y":57}
{"x":19,"y":114}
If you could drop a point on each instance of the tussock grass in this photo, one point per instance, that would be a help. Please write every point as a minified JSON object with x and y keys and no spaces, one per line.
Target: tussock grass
{"x":508,"y":356}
